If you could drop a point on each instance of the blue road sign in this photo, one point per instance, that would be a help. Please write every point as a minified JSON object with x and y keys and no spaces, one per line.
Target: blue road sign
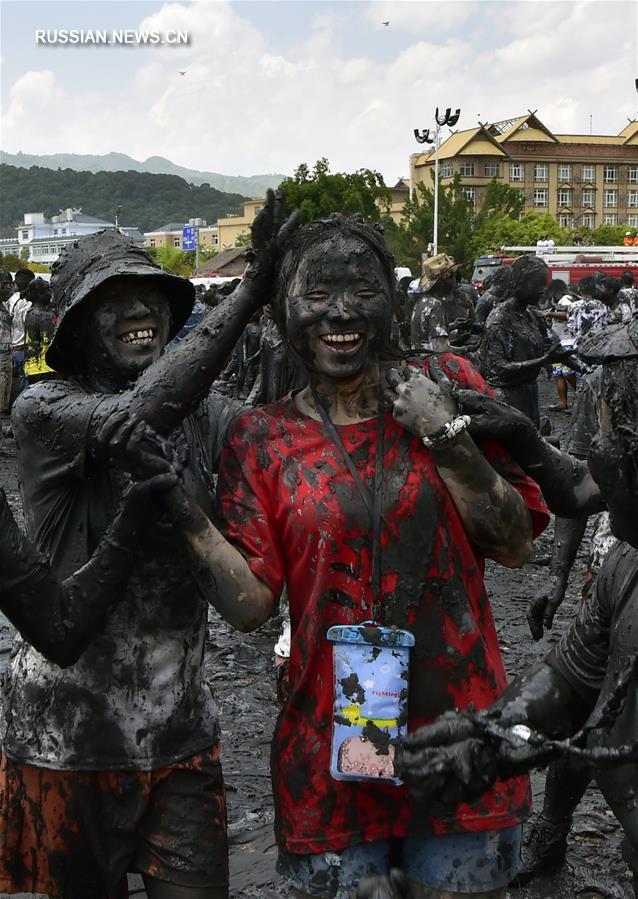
{"x":189,"y":237}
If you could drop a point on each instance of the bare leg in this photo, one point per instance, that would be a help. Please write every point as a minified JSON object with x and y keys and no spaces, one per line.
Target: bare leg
{"x":160,"y":889}
{"x":561,"y":389}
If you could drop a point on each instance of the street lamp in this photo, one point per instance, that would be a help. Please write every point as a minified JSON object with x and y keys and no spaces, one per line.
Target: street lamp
{"x":423,"y":137}
{"x":118,"y":209}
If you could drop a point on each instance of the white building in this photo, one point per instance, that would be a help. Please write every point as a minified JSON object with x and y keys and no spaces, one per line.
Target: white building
{"x":45,"y":238}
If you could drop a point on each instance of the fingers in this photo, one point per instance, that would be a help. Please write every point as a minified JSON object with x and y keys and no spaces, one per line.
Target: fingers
{"x":394,"y":377}
{"x":108,"y":428}
{"x":438,"y":375}
{"x":534,"y":615}
{"x":288,"y":228}
{"x":156,"y":484}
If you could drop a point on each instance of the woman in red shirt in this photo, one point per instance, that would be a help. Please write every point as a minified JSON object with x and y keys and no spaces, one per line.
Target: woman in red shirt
{"x":370,"y":506}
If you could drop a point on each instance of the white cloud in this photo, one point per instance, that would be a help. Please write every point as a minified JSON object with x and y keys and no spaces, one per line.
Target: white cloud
{"x":247,"y":105}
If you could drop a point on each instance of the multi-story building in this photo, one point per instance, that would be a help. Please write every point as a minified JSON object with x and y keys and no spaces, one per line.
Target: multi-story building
{"x":231,"y":227}
{"x":583,"y":180}
{"x":171,"y":235}
{"x":43,"y":239}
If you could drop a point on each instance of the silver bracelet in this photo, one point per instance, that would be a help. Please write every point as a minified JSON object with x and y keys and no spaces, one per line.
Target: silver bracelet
{"x":449,"y":431}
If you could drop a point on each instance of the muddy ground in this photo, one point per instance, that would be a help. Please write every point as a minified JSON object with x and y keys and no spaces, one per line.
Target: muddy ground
{"x":240,"y":669}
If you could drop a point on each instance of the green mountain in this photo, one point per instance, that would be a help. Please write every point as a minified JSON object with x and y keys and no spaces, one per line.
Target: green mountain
{"x":248,"y":186}
{"x":147,"y":201}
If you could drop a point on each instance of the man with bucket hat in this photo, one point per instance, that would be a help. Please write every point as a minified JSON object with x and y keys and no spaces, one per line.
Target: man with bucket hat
{"x":440,"y":305}
{"x":112,"y":765}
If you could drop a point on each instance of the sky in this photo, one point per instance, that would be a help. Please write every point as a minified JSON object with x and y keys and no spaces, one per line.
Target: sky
{"x":271,"y":84}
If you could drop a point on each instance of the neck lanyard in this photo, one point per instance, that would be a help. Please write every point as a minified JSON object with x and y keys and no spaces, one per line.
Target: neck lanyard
{"x":372,"y":501}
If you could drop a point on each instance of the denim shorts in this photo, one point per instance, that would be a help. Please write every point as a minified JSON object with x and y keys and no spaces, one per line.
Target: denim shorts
{"x":459,"y":863}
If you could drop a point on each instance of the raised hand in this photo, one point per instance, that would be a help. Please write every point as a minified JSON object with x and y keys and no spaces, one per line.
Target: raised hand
{"x":270,"y":235}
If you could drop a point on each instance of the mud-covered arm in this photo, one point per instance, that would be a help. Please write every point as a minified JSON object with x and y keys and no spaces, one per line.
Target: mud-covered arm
{"x":567,"y":484}
{"x":180,"y":379}
{"x":222,"y":573}
{"x":61,"y":619}
{"x":568,"y":535}
{"x":493,"y":513}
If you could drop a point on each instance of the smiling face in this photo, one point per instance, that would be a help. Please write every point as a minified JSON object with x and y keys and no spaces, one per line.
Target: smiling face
{"x":129,"y":326}
{"x":338,"y":307}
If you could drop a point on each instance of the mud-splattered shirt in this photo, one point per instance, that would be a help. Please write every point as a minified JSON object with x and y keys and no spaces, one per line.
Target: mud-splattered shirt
{"x":135,"y":700}
{"x":293,"y":509}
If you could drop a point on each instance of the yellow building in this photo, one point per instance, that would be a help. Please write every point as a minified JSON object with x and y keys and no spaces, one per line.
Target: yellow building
{"x":398,"y":196}
{"x":231,"y":227}
{"x":582,"y":180}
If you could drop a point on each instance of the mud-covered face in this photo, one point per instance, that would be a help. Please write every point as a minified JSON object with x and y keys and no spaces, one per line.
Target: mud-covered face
{"x":128,"y":326}
{"x":614,"y":467}
{"x":338,"y":307}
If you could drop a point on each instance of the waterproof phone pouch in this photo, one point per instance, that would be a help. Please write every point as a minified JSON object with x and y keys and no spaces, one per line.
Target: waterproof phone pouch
{"x":371,"y":667}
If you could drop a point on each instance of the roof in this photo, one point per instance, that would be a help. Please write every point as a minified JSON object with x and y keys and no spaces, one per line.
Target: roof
{"x":82,"y":219}
{"x":172,"y":226}
{"x":220,"y":260}
{"x":489,"y":139}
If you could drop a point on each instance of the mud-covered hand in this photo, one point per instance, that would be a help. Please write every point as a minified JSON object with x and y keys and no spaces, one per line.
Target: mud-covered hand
{"x":492,"y":419}
{"x":448,"y":760}
{"x":543,"y":606}
{"x":134,"y":447}
{"x":270,"y":234}
{"x":391,"y":886}
{"x":419,"y":404}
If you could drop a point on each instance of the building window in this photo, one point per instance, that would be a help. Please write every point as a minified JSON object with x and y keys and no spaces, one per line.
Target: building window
{"x":55,"y":232}
{"x":468,"y":192}
{"x":564,"y":198}
{"x":152,"y":242}
{"x":610,"y":218}
{"x":632,"y":174}
{"x":491,"y":169}
{"x":176,"y":241}
{"x":588,"y":197}
{"x":467,"y":169}
{"x":632,"y":220}
{"x":611,"y":174}
{"x":589,"y":173}
{"x":566,"y":221}
{"x":447,"y":169}
{"x":540,"y":172}
{"x":25,"y":235}
{"x":517,"y":170}
{"x":632,"y":199}
{"x":610,"y":198}
{"x":587,"y":220}
{"x":540,"y":196}
{"x":564,"y":172}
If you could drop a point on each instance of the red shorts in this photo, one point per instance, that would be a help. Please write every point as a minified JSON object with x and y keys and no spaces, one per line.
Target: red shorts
{"x":78,"y":833}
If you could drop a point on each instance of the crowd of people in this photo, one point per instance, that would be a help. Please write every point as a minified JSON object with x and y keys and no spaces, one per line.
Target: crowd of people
{"x":319,"y":432}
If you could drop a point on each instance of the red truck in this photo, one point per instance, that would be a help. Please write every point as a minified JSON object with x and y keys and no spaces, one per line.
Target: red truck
{"x":569,"y":264}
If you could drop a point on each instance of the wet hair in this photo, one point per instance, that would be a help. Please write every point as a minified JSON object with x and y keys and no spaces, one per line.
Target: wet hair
{"x":23,"y":276}
{"x":38,"y":292}
{"x":502,"y":277}
{"x":612,"y":284}
{"x":318,"y":232}
{"x":591,"y":285}
{"x":5,"y":277}
{"x":627,"y":278}
{"x":523,"y":269}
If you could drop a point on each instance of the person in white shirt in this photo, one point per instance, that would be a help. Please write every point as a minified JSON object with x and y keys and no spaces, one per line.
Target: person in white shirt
{"x":17,"y":306}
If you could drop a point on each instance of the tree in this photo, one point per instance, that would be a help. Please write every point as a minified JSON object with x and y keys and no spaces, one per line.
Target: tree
{"x":409,"y":240}
{"x":318,"y":193}
{"x":243,"y":240}
{"x":174,"y":260}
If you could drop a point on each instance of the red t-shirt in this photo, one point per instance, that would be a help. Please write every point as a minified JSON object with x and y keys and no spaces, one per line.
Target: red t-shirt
{"x":294,"y":511}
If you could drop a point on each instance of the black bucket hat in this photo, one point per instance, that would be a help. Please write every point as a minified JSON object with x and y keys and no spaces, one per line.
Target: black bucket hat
{"x":87,"y":263}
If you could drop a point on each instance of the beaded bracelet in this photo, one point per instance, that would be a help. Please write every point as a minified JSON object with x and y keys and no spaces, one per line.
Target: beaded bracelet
{"x":449,"y":431}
